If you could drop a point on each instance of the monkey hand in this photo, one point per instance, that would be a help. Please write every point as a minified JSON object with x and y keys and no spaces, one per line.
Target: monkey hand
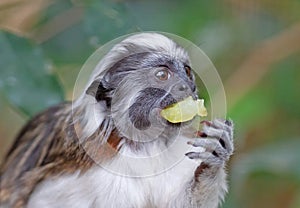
{"x":216,"y":138}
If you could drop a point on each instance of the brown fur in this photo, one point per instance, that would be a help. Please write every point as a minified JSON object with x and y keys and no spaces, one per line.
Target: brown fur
{"x":46,"y":147}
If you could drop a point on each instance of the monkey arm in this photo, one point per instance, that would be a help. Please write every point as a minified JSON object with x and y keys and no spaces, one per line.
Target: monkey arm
{"x":207,"y":186}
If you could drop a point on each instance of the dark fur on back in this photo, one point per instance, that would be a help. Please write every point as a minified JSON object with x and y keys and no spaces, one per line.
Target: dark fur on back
{"x":45,"y":147}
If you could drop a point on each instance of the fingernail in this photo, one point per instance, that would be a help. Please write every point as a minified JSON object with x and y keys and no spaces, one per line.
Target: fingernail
{"x":208,"y":123}
{"x":228,"y":122}
{"x":200,"y":134}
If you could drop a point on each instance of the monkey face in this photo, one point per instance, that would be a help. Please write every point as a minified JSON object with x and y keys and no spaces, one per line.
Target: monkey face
{"x":143,"y":79}
{"x":144,"y":84}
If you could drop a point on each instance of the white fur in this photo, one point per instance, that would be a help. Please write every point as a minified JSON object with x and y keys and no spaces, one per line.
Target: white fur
{"x":121,"y":186}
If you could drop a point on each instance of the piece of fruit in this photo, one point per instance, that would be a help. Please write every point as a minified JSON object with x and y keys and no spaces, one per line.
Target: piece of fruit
{"x":184,"y":110}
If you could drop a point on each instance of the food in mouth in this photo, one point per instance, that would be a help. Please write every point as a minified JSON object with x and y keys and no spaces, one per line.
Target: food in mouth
{"x":184,"y":110}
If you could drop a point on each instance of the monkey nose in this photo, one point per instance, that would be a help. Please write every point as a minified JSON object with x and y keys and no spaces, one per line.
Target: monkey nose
{"x":182,"y":87}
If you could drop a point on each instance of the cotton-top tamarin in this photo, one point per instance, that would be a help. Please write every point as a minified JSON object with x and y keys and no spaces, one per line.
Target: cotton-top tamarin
{"x":112,"y":148}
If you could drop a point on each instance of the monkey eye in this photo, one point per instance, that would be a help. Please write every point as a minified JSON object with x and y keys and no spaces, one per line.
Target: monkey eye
{"x":163,"y":74}
{"x":188,"y":71}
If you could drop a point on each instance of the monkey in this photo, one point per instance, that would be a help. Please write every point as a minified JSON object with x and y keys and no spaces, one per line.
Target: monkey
{"x":111,"y":148}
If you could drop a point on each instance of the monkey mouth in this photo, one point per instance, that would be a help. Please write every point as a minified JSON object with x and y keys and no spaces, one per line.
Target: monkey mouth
{"x":167,"y":102}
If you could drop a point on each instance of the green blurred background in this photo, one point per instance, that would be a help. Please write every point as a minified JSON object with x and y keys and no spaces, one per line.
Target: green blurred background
{"x":255,"y":45}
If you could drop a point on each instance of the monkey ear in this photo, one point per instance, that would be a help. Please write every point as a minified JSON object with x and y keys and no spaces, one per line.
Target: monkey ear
{"x":92,"y":89}
{"x":101,"y":93}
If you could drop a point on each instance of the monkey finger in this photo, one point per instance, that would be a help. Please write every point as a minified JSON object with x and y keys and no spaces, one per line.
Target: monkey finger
{"x":208,"y":144}
{"x":198,"y":155}
{"x":223,"y":136}
{"x":226,"y":125}
{"x":200,"y":134}
{"x":206,"y":157}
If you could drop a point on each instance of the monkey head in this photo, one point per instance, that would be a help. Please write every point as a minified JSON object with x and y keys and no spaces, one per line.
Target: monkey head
{"x":138,"y":78}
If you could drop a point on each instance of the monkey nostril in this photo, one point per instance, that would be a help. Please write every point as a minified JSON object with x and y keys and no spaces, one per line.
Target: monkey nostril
{"x":182,"y":87}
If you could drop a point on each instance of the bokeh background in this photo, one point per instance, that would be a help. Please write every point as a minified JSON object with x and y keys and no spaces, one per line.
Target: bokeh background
{"x":255,"y":45}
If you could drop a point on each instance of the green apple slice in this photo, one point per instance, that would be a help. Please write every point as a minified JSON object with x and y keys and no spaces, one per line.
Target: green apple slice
{"x":184,"y":110}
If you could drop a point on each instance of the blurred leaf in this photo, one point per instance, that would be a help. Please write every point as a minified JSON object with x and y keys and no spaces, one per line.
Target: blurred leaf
{"x":280,"y":158}
{"x":296,"y":203}
{"x":102,"y":21}
{"x":275,"y":167}
{"x":286,"y":82}
{"x":182,"y":18}
{"x":217,"y":38}
{"x":25,"y":77}
{"x":55,"y":8}
{"x":230,"y":200}
{"x":106,"y":20}
{"x":253,"y":107}
{"x":69,"y":46}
